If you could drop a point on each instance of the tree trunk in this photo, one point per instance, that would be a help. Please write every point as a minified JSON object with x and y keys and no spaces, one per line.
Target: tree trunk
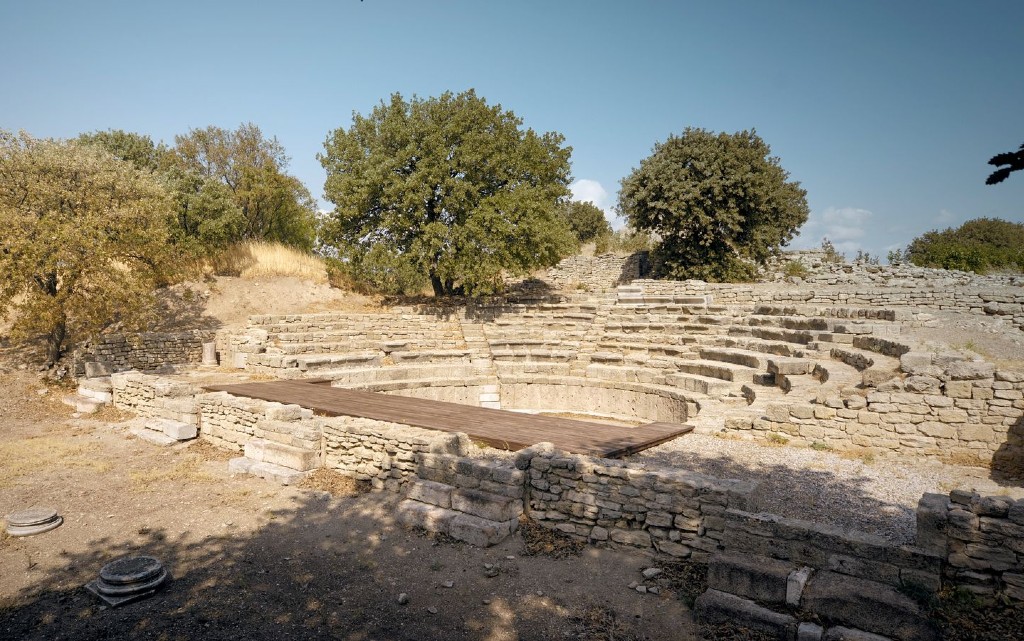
{"x":437,"y":285}
{"x":55,"y":342}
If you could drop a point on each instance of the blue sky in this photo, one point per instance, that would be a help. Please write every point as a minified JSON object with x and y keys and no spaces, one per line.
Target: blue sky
{"x":886,"y":112}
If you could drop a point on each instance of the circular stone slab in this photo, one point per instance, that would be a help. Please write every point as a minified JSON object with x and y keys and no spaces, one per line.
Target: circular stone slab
{"x":29,"y":530}
{"x":131,"y":570}
{"x":32,"y":516}
{"x":118,"y":590}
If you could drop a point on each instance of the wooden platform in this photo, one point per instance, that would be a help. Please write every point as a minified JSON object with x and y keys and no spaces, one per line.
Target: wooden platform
{"x":498,"y":428}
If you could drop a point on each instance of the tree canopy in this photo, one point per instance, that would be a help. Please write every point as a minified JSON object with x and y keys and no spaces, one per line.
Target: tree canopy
{"x":586,"y":221}
{"x":227,"y":186}
{"x":719,"y":204}
{"x":979,"y":245}
{"x":271,"y":205}
{"x":1014,"y":161}
{"x":85,"y":236}
{"x":448,"y":190}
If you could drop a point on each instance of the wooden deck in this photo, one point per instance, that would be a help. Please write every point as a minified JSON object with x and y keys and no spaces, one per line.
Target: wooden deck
{"x":498,"y":428}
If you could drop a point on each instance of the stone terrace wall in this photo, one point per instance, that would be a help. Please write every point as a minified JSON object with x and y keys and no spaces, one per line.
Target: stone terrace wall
{"x":995,"y":299}
{"x":387,"y":455}
{"x":672,"y":511}
{"x":962,"y":409}
{"x":155,"y":397}
{"x":981,"y":538}
{"x":147,"y":352}
{"x":597,"y":273}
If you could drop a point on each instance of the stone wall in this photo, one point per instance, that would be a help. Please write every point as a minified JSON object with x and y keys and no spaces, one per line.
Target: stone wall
{"x":147,"y":352}
{"x":155,"y":397}
{"x":965,"y":410}
{"x":669,"y":510}
{"x":981,"y":539}
{"x":997,"y":298}
{"x":597,"y":273}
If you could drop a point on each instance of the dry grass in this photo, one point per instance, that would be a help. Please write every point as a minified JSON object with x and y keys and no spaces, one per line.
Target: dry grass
{"x":188,"y":469}
{"x":25,"y":456}
{"x":335,"y":483}
{"x":542,"y":541}
{"x":257,"y":259}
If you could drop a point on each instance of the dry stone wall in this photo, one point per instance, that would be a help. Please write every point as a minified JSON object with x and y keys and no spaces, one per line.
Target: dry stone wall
{"x":672,"y":511}
{"x":597,"y":273}
{"x":155,"y":397}
{"x":147,"y":352}
{"x":965,"y":410}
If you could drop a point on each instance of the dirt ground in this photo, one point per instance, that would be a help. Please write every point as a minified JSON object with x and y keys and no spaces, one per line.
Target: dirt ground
{"x":254,"y":560}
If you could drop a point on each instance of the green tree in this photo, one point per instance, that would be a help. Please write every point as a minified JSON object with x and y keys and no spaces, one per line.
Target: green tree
{"x":719,"y":204}
{"x":978,"y":245}
{"x":85,"y":237}
{"x":271,"y":205}
{"x":206,"y":216}
{"x":138,"y":149}
{"x":586,"y":221}
{"x":450,"y":188}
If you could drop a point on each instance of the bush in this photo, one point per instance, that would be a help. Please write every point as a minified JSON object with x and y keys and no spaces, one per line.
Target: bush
{"x":979,"y":245}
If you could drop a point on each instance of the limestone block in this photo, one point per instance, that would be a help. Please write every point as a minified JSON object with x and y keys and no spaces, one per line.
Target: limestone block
{"x":809,"y":632}
{"x":932,"y":515}
{"x":636,"y":538}
{"x":753,"y":577}
{"x":428,"y":517}
{"x":716,"y":607}
{"x":916,"y":363}
{"x":279,"y":454}
{"x":485,"y":505}
{"x":795,"y":583}
{"x":866,"y":605}
{"x":431,"y":492}
{"x":839,"y":633}
{"x":480,"y":532}
{"x":970,"y":370}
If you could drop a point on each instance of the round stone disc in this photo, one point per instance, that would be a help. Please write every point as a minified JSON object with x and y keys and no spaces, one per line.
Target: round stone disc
{"x":129,"y":570}
{"x":32,"y":516}
{"x":132,"y":588}
{"x":29,"y":530}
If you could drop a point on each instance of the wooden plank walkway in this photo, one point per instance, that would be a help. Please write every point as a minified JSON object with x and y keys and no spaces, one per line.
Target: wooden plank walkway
{"x":498,"y":428}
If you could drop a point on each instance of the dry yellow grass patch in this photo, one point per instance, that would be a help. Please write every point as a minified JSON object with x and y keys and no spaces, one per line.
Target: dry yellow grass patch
{"x":25,"y":456}
{"x":258,"y":259}
{"x":188,"y":469}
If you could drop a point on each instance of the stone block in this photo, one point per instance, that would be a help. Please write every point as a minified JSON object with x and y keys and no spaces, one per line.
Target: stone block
{"x":636,"y":538}
{"x":480,"y":532}
{"x":715,"y":607}
{"x":753,"y":577}
{"x":485,"y":505}
{"x":866,"y":605}
{"x":795,"y":583}
{"x":431,"y":492}
{"x":970,"y":370}
{"x":916,"y":363}
{"x":280,"y":454}
{"x":428,"y":517}
{"x":839,"y":633}
{"x":932,"y":511}
{"x":809,"y":632}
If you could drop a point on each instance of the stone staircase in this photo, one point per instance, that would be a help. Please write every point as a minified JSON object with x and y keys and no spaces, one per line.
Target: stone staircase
{"x":92,"y":394}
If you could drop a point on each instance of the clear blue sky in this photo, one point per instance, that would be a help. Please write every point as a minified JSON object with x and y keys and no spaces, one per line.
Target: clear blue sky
{"x":885,"y":111}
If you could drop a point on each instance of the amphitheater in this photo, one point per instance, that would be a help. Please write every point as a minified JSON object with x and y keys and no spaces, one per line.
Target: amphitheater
{"x":832,"y":363}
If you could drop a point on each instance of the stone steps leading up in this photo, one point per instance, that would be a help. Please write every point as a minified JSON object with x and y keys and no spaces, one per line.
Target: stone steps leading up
{"x":717,"y":369}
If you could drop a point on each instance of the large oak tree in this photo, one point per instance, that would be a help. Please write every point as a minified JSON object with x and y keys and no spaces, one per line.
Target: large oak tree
{"x":450,"y":189}
{"x":84,"y":239}
{"x":718,"y":203}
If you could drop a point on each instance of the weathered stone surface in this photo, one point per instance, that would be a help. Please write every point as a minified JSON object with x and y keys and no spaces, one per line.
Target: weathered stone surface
{"x":636,"y":538}
{"x":428,"y":517}
{"x":970,"y":370}
{"x":753,"y":577}
{"x":809,"y":632}
{"x":839,"y":633}
{"x":431,"y":492}
{"x":480,"y":532}
{"x":715,"y":607}
{"x":795,"y":583}
{"x":866,"y":605}
{"x":932,"y":512}
{"x":280,"y":454}
{"x":485,"y":505}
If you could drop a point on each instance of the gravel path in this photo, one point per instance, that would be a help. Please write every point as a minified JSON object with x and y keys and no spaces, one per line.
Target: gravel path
{"x":879,"y":497}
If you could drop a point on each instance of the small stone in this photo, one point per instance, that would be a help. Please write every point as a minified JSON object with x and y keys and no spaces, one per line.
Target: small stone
{"x":488,"y":566}
{"x":449,"y":584}
{"x":486,"y":601}
{"x":432,"y":610}
{"x":654,"y":590}
{"x":403,"y":598}
{"x":650,"y":573}
{"x":510,"y":557}
{"x":42,"y":391}
{"x":642,"y":589}
{"x":491,"y":573}
{"x":539,"y":593}
{"x":633,"y":585}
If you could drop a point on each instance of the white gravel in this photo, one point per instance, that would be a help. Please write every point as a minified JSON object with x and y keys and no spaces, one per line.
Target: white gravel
{"x":879,"y":497}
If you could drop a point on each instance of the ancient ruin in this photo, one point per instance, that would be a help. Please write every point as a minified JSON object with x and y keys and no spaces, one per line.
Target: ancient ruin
{"x":828,"y":361}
